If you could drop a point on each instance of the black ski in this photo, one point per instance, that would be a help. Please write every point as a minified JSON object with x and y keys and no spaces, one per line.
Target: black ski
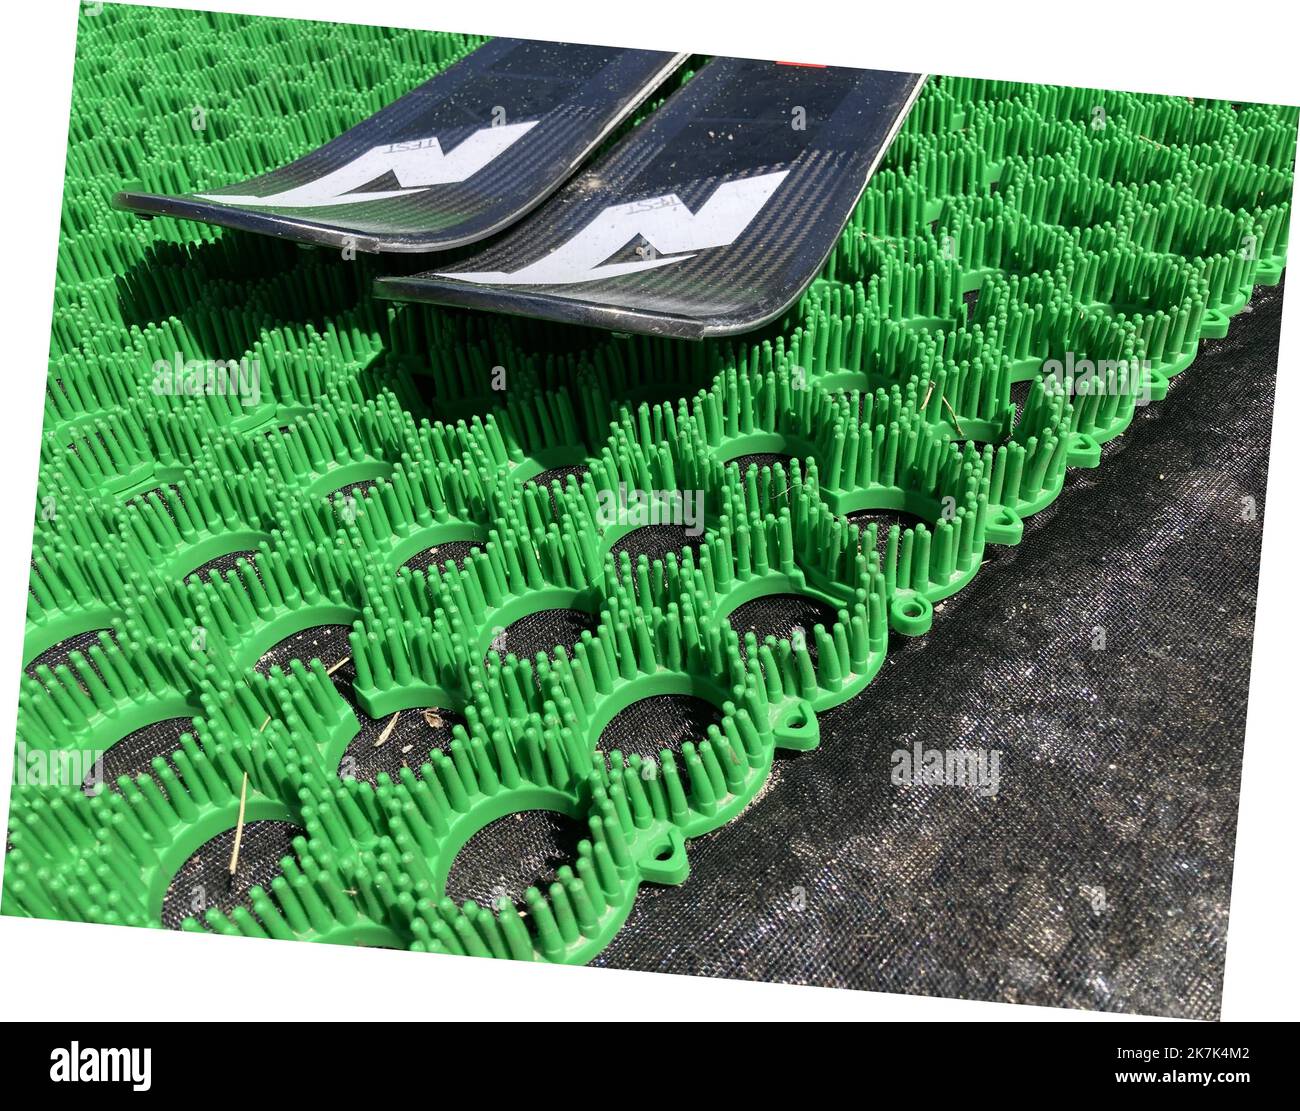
{"x":457,"y":159}
{"x":709,"y":219}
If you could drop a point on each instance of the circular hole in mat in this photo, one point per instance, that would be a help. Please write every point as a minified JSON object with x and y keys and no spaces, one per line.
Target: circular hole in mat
{"x":351,"y":489}
{"x":884,"y":520}
{"x":58,"y":653}
{"x":327,"y":643}
{"x":543,"y":631}
{"x":761,"y":459}
{"x":658,"y":541}
{"x":400,"y":740}
{"x":219,"y":565}
{"x":783,"y":616}
{"x":134,"y":753}
{"x":204,"y":880}
{"x":507,"y":857}
{"x":661,"y":721}
{"x":457,"y":551}
{"x":165,"y":492}
{"x":557,"y":474}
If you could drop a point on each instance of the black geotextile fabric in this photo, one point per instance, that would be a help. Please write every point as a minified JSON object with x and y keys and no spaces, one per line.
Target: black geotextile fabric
{"x":61,"y":653}
{"x":662,"y":721}
{"x":512,"y":854}
{"x":543,"y":631}
{"x":134,"y":754}
{"x":205,"y":879}
{"x":1098,"y":875}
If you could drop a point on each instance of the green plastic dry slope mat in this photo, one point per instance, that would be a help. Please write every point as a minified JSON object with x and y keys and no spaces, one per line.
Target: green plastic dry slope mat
{"x":328,"y":592}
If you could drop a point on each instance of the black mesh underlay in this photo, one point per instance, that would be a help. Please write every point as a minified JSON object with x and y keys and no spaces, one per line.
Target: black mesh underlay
{"x":60,"y":653}
{"x":219,"y":565}
{"x":328,"y":643}
{"x":883,"y":519}
{"x":557,"y":474}
{"x":543,"y":631}
{"x":167,"y":494}
{"x":656,"y":542}
{"x":352,"y":489}
{"x":416,"y":733}
{"x":457,"y":551}
{"x":782,"y":616}
{"x":761,"y":459}
{"x":662,"y":721}
{"x":204,"y":880}
{"x":512,"y":854}
{"x":133,"y":755}
{"x":1099,"y":875}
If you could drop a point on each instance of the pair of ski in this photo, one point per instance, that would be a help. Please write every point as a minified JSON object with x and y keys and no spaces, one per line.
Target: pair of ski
{"x":711,"y":218}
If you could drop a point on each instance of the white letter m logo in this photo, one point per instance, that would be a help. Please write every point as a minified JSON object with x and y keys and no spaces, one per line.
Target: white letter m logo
{"x":664,"y":222}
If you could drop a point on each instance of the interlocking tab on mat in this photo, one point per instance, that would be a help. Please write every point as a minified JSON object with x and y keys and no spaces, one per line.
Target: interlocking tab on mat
{"x":325,"y":590}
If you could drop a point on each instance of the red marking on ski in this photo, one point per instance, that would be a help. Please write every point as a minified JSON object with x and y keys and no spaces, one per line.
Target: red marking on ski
{"x":803,"y":65}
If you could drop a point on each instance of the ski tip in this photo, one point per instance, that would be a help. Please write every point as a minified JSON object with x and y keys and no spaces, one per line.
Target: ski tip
{"x":309,"y":233}
{"x":440,"y":167}
{"x":718,"y":233}
{"x":142,"y":204}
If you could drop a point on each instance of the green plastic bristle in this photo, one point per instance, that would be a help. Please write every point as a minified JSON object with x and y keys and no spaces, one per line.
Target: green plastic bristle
{"x":645,"y":808}
{"x":938,"y":168}
{"x":1049,"y":192}
{"x":104,"y":694}
{"x":987,"y":236}
{"x":51,"y":870}
{"x":936,"y":110}
{"x":746,"y":413}
{"x":287,"y":587}
{"x":81,"y":387}
{"x":1163,"y":298}
{"x":524,"y":570}
{"x":1102,"y":236}
{"x":320,"y":452}
{"x":416,"y":508}
{"x":1176,"y":120}
{"x":893,"y":206}
{"x":541,"y":431}
{"x":148,"y":829}
{"x":1265,"y":139}
{"x":1235,"y":183}
{"x":1124,"y":160}
{"x":357,"y":898}
{"x":109,"y":454}
{"x":623,"y":372}
{"x":917,"y":568}
{"x":73,"y":589}
{"x":317,"y":721}
{"x":1235,"y":253}
{"x":976,"y":91}
{"x":844,"y":346}
{"x":208,"y":518}
{"x":402,"y":660}
{"x":925,"y":293}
